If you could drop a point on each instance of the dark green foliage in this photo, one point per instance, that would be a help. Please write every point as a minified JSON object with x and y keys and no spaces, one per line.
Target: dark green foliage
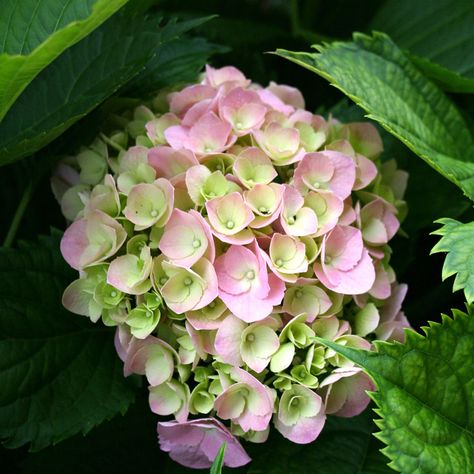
{"x":59,"y":375}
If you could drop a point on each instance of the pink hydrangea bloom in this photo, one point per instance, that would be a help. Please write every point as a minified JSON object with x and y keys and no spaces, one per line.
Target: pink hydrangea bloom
{"x":234,"y":230}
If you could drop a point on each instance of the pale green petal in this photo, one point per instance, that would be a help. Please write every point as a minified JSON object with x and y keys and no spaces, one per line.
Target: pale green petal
{"x":283,"y":357}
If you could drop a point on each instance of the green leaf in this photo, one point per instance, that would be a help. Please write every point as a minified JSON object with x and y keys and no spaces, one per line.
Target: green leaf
{"x":218,"y":463}
{"x":345,"y":446}
{"x":374,"y":73}
{"x":33,"y":33}
{"x":457,"y":239}
{"x":59,"y":374}
{"x":79,"y":80}
{"x":425,"y":396}
{"x":178,"y":61}
{"x":438,"y":34}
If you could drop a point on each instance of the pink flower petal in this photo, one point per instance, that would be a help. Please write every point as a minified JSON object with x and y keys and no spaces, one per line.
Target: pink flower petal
{"x":356,"y":281}
{"x":227,"y":341}
{"x":182,"y":101}
{"x":195,"y":443}
{"x":289,"y":95}
{"x":331,"y":171}
{"x":223,"y":75}
{"x":346,"y":395}
{"x":169,"y":162}
{"x":184,"y":241}
{"x":272,"y":100}
{"x":303,"y":432}
{"x":210,"y":134}
{"x":246,"y":306}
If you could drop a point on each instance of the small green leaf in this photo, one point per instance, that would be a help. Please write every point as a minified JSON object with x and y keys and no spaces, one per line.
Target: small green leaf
{"x":425,"y":396}
{"x":218,"y":463}
{"x":374,"y":73}
{"x":59,"y":374}
{"x":457,"y":239}
{"x":33,"y":33}
{"x":439,"y":35}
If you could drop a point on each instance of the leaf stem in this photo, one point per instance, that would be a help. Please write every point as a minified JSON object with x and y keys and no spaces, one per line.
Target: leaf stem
{"x":20,"y":211}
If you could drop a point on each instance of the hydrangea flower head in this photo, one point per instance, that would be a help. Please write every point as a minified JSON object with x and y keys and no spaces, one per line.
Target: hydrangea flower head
{"x":224,"y":235}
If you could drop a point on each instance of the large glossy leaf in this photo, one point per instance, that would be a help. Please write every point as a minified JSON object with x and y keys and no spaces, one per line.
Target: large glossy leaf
{"x":376,"y":74}
{"x":34,"y":32}
{"x":80,"y":79}
{"x":59,"y":374}
{"x":457,"y":239}
{"x":439,"y":35}
{"x":425,"y":396}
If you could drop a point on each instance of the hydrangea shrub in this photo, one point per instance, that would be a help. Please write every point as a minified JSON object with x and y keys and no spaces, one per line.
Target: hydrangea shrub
{"x":222,"y":228}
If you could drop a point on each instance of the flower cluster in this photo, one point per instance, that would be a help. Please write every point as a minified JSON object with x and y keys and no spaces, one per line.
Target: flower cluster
{"x":222,"y":229}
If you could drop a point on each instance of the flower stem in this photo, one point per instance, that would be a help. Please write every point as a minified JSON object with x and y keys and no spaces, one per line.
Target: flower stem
{"x":20,"y":210}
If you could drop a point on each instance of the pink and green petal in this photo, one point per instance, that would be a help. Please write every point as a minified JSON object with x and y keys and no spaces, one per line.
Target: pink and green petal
{"x":364,"y":138}
{"x":326,"y":171}
{"x":229,"y":214}
{"x":150,"y":204}
{"x":130,"y":273}
{"x":366,"y":320}
{"x":181,"y":102}
{"x":170,"y":398}
{"x":296,"y":219}
{"x":243,"y":110}
{"x":379,"y":223}
{"x":228,"y":340}
{"x":209,"y":317}
{"x":281,"y":144}
{"x":91,"y":240}
{"x":287,"y":255}
{"x":155,"y":128}
{"x":289,"y":95}
{"x":265,"y":202}
{"x":217,"y":77}
{"x":258,"y":344}
{"x":328,"y":209}
{"x":346,"y":392}
{"x":169,"y":163}
{"x":300,"y":415}
{"x":185,"y":240}
{"x":252,"y":167}
{"x":307,"y":299}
